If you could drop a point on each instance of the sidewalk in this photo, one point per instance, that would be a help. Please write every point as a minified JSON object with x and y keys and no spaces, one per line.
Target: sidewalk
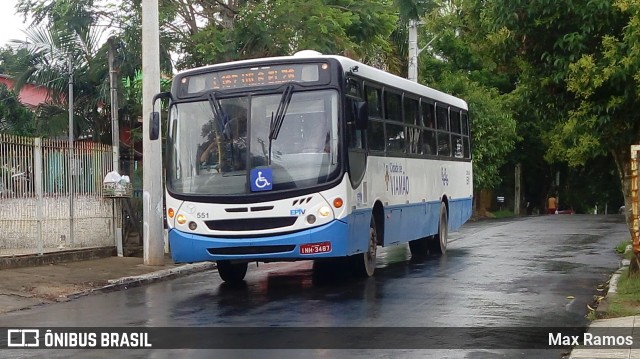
{"x":624,"y":326}
{"x":21,"y":288}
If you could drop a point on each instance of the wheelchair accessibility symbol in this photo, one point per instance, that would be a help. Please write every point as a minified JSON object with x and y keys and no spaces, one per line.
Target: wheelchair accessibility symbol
{"x":261,"y":179}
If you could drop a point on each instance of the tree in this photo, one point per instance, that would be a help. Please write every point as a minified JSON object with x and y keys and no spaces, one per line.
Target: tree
{"x":493,"y":128}
{"x":605,"y":82}
{"x":459,"y":64}
{"x":272,"y":28}
{"x":15,"y":118}
{"x":577,"y":64}
{"x":67,"y":29}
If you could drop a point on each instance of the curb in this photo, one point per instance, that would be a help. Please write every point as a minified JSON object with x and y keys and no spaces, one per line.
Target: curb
{"x":136,"y":281}
{"x":613,"y":282}
{"x":615,"y":277}
{"x":603,"y":306}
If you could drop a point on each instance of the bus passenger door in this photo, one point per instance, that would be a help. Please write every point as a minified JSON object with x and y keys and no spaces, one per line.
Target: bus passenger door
{"x":357,"y":154}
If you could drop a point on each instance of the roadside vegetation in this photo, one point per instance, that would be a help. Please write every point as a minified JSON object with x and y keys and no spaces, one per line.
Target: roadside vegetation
{"x":626,"y":300}
{"x":503,"y":214}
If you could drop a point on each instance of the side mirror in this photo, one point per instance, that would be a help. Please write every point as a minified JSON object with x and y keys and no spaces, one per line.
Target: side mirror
{"x":362,"y":115}
{"x":154,"y":126}
{"x":154,"y":118}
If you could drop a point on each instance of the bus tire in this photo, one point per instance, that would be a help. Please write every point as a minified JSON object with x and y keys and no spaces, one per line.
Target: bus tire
{"x":364,"y":264}
{"x":232,"y":272}
{"x":438,"y":243}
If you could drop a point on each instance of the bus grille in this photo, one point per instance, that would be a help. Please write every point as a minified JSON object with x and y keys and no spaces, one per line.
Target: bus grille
{"x":250,"y":224}
{"x":252,"y":250}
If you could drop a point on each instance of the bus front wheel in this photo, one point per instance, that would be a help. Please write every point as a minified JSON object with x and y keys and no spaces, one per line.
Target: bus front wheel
{"x":438,"y":243}
{"x":232,"y":272}
{"x":364,"y":264}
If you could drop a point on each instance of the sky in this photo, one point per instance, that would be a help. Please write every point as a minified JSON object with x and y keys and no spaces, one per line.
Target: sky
{"x":11,"y":25}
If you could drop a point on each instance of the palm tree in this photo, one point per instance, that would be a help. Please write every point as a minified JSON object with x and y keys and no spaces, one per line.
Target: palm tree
{"x":52,"y":55}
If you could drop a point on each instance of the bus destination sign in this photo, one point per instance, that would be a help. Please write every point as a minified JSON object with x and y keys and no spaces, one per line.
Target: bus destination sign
{"x":256,"y":76}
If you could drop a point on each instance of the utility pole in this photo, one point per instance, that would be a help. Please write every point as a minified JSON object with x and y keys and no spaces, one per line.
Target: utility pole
{"x":414,"y":52}
{"x":71,"y":157}
{"x":115,"y":139}
{"x":558,"y":189}
{"x":152,"y":161}
{"x":113,"y":81}
{"x":518,"y":189}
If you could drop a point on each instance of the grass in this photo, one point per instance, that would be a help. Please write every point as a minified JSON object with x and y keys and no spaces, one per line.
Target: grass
{"x":503,"y":214}
{"x":622,"y":246}
{"x":626,"y":300}
{"x":628,"y":255}
{"x":621,"y":249}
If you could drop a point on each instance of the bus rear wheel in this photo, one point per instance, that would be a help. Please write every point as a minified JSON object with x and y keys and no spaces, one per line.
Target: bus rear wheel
{"x":232,"y":272}
{"x":438,"y":243}
{"x":364,"y":264}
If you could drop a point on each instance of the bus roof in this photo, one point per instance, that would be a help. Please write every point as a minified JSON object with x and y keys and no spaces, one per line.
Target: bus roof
{"x":364,"y":71}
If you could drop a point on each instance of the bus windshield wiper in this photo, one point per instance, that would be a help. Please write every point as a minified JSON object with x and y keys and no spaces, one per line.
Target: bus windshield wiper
{"x":276,"y":122}
{"x":219,"y":115}
{"x":278,"y":119}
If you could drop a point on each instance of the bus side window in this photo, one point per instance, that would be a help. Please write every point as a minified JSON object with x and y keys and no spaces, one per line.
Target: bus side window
{"x":375,"y":135}
{"x":373,"y":101}
{"x":428,"y":113}
{"x":455,"y":122}
{"x":354,"y":88}
{"x":466,"y":136}
{"x":428,"y":138}
{"x":443,"y":138}
{"x":354,"y":135}
{"x":442,"y":118}
{"x":456,"y":134}
{"x":395,"y":137}
{"x":375,"y":128}
{"x":411,"y":115}
{"x":393,"y":113}
{"x":411,"y":119}
{"x":392,"y":106}
{"x":413,"y":140}
{"x":428,"y":142}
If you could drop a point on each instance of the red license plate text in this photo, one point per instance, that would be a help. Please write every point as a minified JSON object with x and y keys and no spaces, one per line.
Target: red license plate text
{"x":315,"y":248}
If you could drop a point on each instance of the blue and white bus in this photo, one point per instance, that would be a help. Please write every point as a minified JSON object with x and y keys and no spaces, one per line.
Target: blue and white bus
{"x":311,"y":157}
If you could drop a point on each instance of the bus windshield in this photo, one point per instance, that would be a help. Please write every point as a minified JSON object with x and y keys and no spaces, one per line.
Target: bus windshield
{"x":215,"y":143}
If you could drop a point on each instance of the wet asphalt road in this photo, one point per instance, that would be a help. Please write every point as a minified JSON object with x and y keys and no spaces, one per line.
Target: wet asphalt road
{"x":517,"y":273}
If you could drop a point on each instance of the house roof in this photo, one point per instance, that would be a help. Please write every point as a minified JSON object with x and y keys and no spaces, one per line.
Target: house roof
{"x":30,"y":95}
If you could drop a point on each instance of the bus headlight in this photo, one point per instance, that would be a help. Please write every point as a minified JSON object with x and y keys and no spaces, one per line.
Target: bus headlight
{"x":311,"y":219}
{"x":193,"y":226}
{"x":181,"y":219}
{"x":324,"y":211}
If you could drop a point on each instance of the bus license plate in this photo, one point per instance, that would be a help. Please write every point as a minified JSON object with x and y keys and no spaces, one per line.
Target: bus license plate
{"x":314,"y":248}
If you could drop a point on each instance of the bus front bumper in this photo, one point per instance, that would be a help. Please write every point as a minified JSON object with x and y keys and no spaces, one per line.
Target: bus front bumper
{"x":302,"y":245}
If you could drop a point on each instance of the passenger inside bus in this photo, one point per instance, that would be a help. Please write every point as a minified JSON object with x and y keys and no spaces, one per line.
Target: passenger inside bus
{"x":225,"y":152}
